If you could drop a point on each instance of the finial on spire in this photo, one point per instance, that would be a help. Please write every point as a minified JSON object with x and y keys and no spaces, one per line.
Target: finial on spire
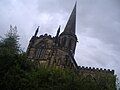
{"x":57,"y":35}
{"x":58,"y":31}
{"x":36,"y":31}
{"x":76,"y":3}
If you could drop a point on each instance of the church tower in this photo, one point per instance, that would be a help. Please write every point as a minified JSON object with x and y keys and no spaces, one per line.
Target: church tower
{"x":68,"y":37}
{"x":55,"y":51}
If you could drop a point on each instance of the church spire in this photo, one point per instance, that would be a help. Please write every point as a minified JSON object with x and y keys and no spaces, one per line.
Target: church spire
{"x":71,"y":24}
{"x":68,"y":39}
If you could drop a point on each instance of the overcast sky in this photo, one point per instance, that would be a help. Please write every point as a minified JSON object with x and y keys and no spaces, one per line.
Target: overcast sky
{"x":98,"y":26}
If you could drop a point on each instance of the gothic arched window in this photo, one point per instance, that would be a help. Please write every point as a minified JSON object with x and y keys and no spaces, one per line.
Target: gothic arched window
{"x":40,"y":51}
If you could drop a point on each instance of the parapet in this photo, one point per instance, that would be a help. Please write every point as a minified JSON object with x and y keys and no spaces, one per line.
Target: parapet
{"x":45,"y":36}
{"x":95,"y":69}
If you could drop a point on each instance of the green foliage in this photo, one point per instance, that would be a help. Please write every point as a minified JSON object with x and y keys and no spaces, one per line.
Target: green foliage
{"x":18,"y":73}
{"x":9,"y":45}
{"x":97,"y":81}
{"x":52,"y":79}
{"x":13,"y":64}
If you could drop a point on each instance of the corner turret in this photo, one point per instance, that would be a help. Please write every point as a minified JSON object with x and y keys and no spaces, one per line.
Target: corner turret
{"x":36,"y":32}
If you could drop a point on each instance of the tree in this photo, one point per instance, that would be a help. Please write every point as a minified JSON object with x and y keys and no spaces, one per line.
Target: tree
{"x":9,"y":45}
{"x":13,"y":63}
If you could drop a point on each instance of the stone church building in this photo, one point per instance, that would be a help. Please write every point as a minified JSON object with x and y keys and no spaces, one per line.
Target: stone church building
{"x":59,"y":50}
{"x":55,"y":51}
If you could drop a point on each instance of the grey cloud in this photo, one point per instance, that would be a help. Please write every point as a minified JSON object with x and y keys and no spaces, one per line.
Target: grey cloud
{"x":103,"y":19}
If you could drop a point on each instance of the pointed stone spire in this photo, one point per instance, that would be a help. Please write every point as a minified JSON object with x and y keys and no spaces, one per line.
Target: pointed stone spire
{"x":36,"y":31}
{"x":71,"y":24}
{"x":68,"y":39}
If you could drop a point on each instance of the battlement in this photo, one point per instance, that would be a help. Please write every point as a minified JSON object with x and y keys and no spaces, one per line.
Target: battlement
{"x":45,"y":36}
{"x":95,"y":69}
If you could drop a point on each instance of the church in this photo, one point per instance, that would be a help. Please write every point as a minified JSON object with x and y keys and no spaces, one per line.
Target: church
{"x":59,"y":51}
